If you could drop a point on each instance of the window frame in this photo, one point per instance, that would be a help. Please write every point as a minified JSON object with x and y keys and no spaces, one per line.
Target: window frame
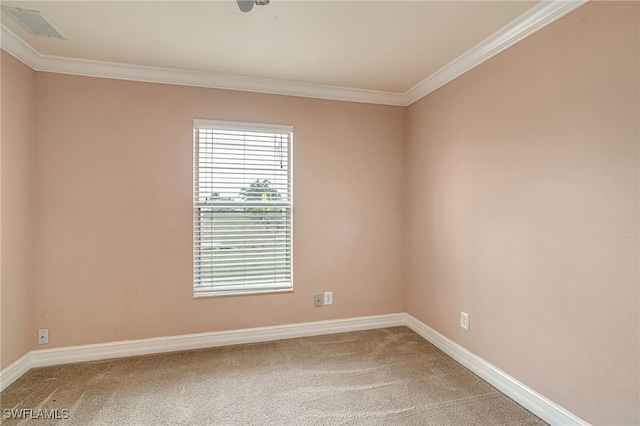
{"x":235,"y":126}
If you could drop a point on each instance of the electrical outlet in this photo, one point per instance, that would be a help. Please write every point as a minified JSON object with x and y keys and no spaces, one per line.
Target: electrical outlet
{"x":328,"y":298}
{"x":317,"y":300}
{"x":43,"y":336}
{"x":464,"y":320}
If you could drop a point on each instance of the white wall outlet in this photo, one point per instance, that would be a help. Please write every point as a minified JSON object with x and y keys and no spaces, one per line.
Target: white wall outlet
{"x":43,"y":336}
{"x":317,"y":300}
{"x":328,"y":298}
{"x":464,"y":320}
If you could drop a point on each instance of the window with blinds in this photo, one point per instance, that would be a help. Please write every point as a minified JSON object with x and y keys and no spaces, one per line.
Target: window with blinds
{"x":242,"y":203}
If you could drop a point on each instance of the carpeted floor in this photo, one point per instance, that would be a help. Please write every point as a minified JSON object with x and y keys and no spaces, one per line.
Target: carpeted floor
{"x":379,"y":377}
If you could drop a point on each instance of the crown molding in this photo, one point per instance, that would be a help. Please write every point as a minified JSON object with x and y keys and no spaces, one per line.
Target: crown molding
{"x":533,"y":20}
{"x":90,"y":68}
{"x":17,"y":47}
{"x":526,"y":24}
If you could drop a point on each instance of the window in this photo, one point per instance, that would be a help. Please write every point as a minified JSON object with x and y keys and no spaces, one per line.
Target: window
{"x":242,"y":231}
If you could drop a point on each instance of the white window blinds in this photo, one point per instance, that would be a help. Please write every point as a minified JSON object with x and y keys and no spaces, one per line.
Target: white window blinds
{"x":242,"y":208}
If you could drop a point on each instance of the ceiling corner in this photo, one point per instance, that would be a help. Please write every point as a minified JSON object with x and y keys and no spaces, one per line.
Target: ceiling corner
{"x":522,"y":27}
{"x":531,"y":21}
{"x":17,"y":47}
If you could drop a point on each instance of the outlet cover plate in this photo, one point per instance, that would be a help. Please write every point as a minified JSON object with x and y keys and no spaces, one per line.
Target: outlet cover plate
{"x":43,"y":336}
{"x":317,"y":300}
{"x":464,"y":320}
{"x":328,"y":298}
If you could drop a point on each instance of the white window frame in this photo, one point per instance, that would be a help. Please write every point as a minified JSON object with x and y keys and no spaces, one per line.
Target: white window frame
{"x":208,"y":290}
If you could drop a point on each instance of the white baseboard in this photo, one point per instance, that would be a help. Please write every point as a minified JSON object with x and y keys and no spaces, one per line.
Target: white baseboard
{"x":94,"y":352}
{"x":542,"y":407}
{"x":531,"y":400}
{"x":13,"y":372}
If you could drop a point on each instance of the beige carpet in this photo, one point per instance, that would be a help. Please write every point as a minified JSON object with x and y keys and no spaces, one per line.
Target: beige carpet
{"x":380,"y":377}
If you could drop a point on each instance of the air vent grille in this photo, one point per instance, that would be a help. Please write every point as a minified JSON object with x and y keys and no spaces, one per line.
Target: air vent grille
{"x":33,"y":21}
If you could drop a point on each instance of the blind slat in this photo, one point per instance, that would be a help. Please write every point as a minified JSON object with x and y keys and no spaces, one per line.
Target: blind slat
{"x":242,"y":230}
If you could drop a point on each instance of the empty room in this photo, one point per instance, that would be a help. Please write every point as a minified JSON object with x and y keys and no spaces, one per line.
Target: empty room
{"x":320,"y":212}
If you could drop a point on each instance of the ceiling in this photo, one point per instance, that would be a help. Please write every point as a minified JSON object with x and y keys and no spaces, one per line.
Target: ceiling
{"x":388,"y":46}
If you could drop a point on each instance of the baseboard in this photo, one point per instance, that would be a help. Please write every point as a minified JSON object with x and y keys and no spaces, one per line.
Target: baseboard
{"x":542,"y":407}
{"x":539,"y":405}
{"x":94,"y":352}
{"x":13,"y":372}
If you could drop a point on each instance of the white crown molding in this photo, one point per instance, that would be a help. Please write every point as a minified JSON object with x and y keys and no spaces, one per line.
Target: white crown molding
{"x":539,"y":405}
{"x":526,"y":24}
{"x":536,"y":18}
{"x":18,"y":47}
{"x":89,"y":68}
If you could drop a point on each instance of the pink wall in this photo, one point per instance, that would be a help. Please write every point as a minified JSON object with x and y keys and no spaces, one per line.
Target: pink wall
{"x":16,"y":223}
{"x":513,"y":191}
{"x":523,"y":175}
{"x":114,"y":191}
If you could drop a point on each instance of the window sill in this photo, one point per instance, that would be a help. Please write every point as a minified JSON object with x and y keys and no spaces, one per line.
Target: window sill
{"x":214,"y":293}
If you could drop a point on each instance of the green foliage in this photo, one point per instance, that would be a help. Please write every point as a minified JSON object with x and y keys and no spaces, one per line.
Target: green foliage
{"x":260,"y":191}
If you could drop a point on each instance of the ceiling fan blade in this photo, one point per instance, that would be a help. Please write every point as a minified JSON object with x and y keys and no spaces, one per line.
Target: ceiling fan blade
{"x":245,"y":5}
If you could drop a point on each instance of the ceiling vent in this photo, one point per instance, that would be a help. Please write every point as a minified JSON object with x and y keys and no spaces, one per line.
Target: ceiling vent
{"x":33,"y":22}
